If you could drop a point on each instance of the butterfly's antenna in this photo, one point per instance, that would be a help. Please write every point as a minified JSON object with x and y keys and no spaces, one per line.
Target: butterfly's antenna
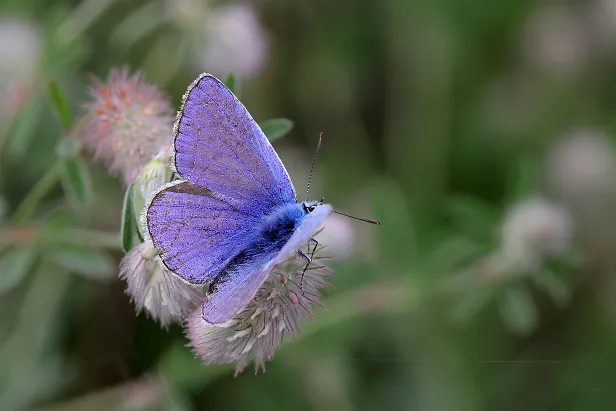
{"x":367,"y":220}
{"x":314,"y":160}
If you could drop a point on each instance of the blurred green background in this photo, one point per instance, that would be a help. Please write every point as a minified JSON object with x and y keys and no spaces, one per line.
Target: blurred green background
{"x":440,"y":117}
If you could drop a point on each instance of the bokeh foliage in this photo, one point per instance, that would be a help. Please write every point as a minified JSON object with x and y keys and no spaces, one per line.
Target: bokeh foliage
{"x":437,"y":116}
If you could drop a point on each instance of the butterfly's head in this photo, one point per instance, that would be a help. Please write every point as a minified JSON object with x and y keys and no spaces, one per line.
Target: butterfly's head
{"x":310,"y":206}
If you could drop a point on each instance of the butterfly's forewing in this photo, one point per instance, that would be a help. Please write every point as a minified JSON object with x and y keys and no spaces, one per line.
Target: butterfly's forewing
{"x":246,"y":274}
{"x":218,"y":145}
{"x":196,"y":232}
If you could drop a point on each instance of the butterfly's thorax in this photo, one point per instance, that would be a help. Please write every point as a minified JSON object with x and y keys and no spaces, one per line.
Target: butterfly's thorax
{"x":279,"y":225}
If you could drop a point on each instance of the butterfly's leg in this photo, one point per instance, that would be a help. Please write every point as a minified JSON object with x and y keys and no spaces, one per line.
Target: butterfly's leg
{"x":308,"y":261}
{"x":314,"y":250}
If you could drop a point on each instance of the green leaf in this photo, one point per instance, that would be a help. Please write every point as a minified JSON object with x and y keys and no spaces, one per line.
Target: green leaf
{"x":138,"y":205}
{"x":84,"y":260}
{"x":14,"y":266}
{"x":518,"y":310}
{"x":232,"y":84}
{"x":523,"y":180}
{"x":178,"y":366}
{"x":60,"y":103}
{"x":397,"y":238}
{"x":29,"y":204}
{"x":68,"y":147}
{"x":4,"y":207}
{"x":453,"y":253}
{"x":556,"y":288}
{"x":23,"y":129}
{"x":276,"y":128}
{"x":57,"y":221}
{"x":472,"y":216}
{"x":471,"y":303}
{"x":129,"y":224}
{"x":77,"y":181}
{"x":566,"y":264}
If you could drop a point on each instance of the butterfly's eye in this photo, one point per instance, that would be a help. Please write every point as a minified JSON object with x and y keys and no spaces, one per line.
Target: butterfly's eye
{"x":309,"y":208}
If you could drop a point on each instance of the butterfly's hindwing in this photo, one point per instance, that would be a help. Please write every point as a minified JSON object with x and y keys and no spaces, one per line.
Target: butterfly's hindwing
{"x":196,"y":231}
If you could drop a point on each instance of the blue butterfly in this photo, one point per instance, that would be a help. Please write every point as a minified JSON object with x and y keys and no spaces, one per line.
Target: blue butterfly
{"x":233,"y":214}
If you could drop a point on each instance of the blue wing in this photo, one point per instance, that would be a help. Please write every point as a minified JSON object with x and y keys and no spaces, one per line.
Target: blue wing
{"x":218,"y":145}
{"x":234,"y":178}
{"x":196,"y":231}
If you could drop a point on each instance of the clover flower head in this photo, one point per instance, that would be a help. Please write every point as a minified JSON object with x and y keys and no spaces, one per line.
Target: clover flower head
{"x":156,"y":173}
{"x":534,"y":229}
{"x":21,"y":48}
{"x":273,"y":315}
{"x":556,"y":41}
{"x":339,"y":235}
{"x":582,"y":164}
{"x":128,"y":122}
{"x":234,"y":40}
{"x":155,"y":288}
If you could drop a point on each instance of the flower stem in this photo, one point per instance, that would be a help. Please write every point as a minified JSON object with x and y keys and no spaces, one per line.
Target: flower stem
{"x":28,"y":205}
{"x":378,"y":297}
{"x":144,"y":391}
{"x":104,"y":239}
{"x":70,"y":236}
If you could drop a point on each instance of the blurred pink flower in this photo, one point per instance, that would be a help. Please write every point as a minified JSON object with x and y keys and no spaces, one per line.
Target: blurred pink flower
{"x":234,"y":41}
{"x":534,"y":229}
{"x":556,"y":40}
{"x":602,"y":23}
{"x":128,"y":123}
{"x":582,"y":163}
{"x":339,"y":235}
{"x":21,"y":49}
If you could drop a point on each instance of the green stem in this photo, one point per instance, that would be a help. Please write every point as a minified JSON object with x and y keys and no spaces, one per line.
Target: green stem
{"x":385,"y":297}
{"x":104,"y":239}
{"x":81,"y":18}
{"x":70,"y":236}
{"x":147,"y":391}
{"x":29,"y":343}
{"x":28,"y":205}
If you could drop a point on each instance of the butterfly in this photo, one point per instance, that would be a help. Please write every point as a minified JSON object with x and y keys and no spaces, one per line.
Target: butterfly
{"x":232,"y":215}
